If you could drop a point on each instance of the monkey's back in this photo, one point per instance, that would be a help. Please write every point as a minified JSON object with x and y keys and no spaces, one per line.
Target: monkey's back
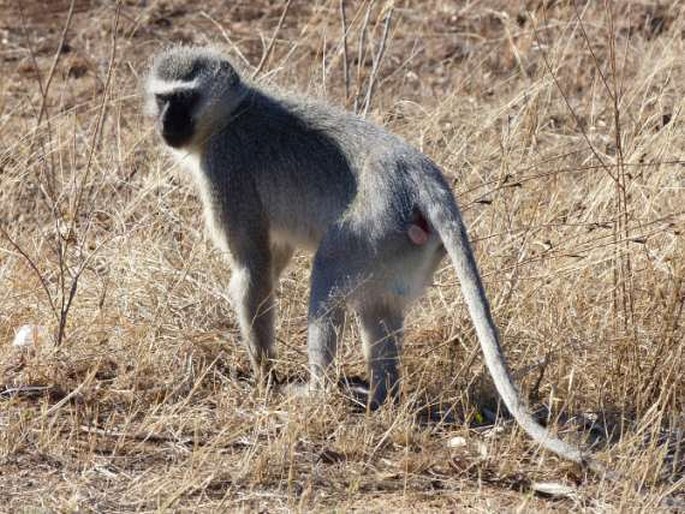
{"x":343,"y":177}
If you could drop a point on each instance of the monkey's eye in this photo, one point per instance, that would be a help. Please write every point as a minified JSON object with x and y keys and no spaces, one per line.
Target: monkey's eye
{"x":188,"y":98}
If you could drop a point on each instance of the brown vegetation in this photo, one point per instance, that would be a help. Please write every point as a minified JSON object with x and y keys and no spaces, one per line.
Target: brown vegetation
{"x":560,"y":124}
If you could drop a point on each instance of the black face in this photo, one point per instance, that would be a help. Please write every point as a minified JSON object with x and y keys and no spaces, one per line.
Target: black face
{"x":175,"y":122}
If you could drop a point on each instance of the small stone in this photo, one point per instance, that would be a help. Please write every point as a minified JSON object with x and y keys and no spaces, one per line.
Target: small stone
{"x":456,"y":442}
{"x":30,"y":335}
{"x":554,"y":489}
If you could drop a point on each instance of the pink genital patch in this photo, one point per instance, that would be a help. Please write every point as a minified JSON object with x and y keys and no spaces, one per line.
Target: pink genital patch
{"x":417,"y":235}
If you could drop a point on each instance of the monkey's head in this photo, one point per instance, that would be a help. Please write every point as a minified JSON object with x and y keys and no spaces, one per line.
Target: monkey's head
{"x":191,"y":92}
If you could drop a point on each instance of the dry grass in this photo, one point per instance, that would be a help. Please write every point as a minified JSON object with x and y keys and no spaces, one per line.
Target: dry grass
{"x":562,"y":130}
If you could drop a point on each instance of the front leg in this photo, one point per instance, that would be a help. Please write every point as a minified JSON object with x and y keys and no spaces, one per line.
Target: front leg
{"x":238,"y":225}
{"x":252,"y":295}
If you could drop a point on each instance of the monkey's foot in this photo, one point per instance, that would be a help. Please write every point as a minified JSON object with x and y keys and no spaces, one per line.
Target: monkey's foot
{"x":354,"y":389}
{"x":303,"y":390}
{"x":358,"y":391}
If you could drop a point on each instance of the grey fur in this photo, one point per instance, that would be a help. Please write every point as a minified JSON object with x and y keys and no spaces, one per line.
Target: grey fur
{"x":277,"y":172}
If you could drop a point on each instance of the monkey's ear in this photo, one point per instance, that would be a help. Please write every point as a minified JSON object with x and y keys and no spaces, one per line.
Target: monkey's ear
{"x":227,"y":69}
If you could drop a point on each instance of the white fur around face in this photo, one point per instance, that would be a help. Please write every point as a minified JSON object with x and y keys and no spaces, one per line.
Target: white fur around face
{"x":190,"y":161}
{"x":156,"y":86}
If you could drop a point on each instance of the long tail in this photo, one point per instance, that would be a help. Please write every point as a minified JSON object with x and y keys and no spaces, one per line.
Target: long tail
{"x":439,"y":207}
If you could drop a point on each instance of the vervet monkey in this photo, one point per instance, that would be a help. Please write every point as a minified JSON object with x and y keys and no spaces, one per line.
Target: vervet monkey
{"x":277,"y":172}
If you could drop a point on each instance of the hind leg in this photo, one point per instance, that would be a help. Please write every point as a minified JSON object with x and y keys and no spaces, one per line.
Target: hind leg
{"x":378,"y":288}
{"x":326,"y":312}
{"x":404,"y":271}
{"x":381,"y":326}
{"x":281,"y":255}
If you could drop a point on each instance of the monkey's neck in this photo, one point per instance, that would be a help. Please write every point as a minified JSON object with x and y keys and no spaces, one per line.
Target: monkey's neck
{"x":242,"y":101}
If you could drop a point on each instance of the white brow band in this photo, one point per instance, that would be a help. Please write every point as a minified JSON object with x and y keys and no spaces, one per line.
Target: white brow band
{"x":165,"y":86}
